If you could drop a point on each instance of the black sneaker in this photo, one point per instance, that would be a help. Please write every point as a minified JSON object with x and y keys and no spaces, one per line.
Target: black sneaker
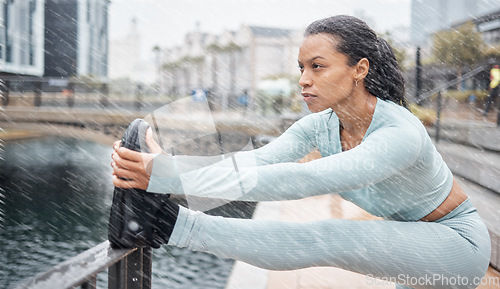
{"x":139,"y":218}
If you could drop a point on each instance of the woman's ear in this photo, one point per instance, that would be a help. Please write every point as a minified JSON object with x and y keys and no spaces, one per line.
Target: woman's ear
{"x":362,"y":68}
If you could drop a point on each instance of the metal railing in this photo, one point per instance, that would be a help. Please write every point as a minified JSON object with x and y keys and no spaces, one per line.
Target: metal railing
{"x":453,"y":82}
{"x":127,"y":269}
{"x":439,"y":99}
{"x":65,"y":86}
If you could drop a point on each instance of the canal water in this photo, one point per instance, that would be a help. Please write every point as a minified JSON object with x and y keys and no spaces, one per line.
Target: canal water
{"x":55,"y":195}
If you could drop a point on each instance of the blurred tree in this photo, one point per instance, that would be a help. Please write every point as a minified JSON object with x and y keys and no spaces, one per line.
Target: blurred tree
{"x":492,"y":52}
{"x":458,"y":47}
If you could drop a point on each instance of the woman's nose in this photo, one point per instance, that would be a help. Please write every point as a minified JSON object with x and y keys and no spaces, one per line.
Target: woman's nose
{"x":305,"y":80}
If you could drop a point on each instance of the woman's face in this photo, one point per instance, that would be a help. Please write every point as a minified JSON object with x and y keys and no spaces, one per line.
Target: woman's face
{"x":326,"y":78}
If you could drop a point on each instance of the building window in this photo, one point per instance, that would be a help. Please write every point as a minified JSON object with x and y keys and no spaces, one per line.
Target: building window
{"x":22,"y":24}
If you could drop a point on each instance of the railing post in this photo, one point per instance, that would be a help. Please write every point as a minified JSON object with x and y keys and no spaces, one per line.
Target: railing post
{"x":4,"y":92}
{"x":90,"y":284}
{"x":117,"y":274}
{"x":498,"y":111}
{"x":138,"y":97}
{"x":104,"y":95}
{"x":438,"y":115}
{"x":70,"y":94}
{"x":38,"y":94}
{"x":133,"y":271}
{"x":139,"y":269}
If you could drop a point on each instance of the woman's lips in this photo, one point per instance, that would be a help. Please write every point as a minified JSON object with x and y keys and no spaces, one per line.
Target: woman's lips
{"x":308,"y":96}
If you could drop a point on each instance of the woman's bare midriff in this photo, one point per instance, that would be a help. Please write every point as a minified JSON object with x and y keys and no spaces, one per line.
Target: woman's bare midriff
{"x":456,"y":197}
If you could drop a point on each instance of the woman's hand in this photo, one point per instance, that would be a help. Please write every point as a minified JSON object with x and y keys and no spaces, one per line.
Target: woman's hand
{"x":132,"y":169}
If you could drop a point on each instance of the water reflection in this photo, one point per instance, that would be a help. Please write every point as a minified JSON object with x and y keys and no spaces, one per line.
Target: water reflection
{"x":57,"y":194}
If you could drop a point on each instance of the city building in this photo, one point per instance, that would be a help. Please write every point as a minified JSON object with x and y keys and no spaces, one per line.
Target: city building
{"x":488,"y":25}
{"x":125,"y":61}
{"x":76,"y":38}
{"x":50,"y":41}
{"x":429,"y":16}
{"x":230,"y":64}
{"x":22,"y":37}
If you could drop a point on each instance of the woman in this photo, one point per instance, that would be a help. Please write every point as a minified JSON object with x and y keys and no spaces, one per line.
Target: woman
{"x":375,"y":153}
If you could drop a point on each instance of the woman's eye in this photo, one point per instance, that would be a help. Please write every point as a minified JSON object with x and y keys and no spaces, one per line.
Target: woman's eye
{"x":316,"y":65}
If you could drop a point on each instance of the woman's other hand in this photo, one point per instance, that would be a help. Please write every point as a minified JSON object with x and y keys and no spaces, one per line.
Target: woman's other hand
{"x":132,"y":169}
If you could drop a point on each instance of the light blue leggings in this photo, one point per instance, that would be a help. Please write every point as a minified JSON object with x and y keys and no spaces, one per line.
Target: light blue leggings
{"x":452,"y":252}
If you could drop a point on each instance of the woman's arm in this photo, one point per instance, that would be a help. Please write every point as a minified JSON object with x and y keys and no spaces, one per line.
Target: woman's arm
{"x":135,"y":170}
{"x":383,"y":154}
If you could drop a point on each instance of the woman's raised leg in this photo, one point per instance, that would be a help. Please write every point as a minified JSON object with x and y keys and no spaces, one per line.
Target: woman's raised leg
{"x":419,"y":254}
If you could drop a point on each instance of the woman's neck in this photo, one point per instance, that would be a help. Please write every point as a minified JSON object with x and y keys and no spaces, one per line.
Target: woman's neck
{"x":356,"y":114}
{"x":355,"y":117}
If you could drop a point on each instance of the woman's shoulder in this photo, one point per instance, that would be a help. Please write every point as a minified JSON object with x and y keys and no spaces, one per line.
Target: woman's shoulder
{"x":396,"y":127}
{"x":397,"y":115}
{"x":398,"y":121}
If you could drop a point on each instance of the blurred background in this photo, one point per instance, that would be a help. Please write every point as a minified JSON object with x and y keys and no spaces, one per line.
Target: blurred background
{"x":239,"y":55}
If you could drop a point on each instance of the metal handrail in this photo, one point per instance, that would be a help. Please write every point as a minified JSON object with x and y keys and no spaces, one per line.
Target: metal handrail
{"x":454,"y":82}
{"x":128,"y":268}
{"x":445,"y":86}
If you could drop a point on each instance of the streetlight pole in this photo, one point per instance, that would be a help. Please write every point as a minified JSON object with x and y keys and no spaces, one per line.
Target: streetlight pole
{"x":418,"y":77}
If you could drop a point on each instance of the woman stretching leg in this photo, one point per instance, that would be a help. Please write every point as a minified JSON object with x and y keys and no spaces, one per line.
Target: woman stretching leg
{"x":375,"y":153}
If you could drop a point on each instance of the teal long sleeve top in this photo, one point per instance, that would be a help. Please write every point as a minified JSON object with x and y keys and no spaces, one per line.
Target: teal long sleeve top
{"x":395,"y":172}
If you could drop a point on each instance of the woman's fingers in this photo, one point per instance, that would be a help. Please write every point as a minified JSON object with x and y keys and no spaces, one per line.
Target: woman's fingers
{"x":130,"y":168}
{"x":132,"y":159}
{"x":122,"y":172}
{"x":124,"y":178}
{"x":125,"y":163}
{"x":152,"y":144}
{"x":128,"y":184}
{"x":116,"y":145}
{"x":129,"y":154}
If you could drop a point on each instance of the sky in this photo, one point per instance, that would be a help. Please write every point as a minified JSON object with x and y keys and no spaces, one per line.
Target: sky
{"x":165,"y":22}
